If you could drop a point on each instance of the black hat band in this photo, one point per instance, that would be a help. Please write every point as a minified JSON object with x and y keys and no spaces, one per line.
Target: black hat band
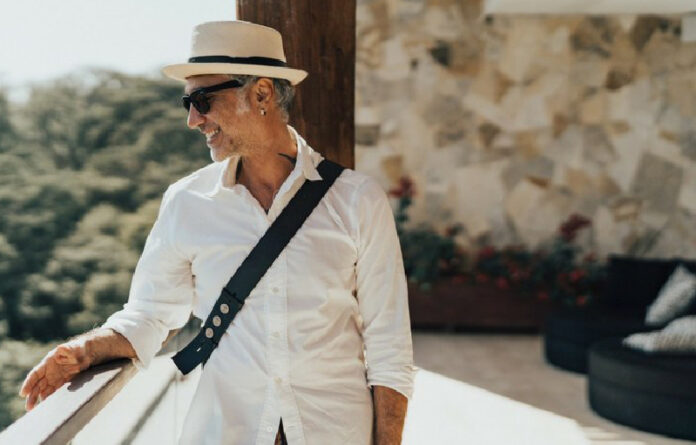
{"x":241,"y":60}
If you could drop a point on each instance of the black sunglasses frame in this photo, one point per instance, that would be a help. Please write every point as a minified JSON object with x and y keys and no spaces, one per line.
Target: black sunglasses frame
{"x":199,"y":99}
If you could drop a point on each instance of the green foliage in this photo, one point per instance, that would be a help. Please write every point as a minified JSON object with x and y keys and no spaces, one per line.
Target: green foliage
{"x":16,"y":359}
{"x":554,"y":271}
{"x":428,"y":255}
{"x":83,"y":165}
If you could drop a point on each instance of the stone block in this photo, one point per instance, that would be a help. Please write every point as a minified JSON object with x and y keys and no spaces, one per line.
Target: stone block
{"x":629,"y":148}
{"x":688,"y":144}
{"x":626,"y":208}
{"x":597,"y":147}
{"x":658,"y":182}
{"x":526,"y":111}
{"x":588,"y":70}
{"x":444,"y":109}
{"x":536,"y":211}
{"x":593,"y":35}
{"x":643,"y":29}
{"x":367,"y":134}
{"x":681,"y":92}
{"x":487,"y":133}
{"x":677,"y":238}
{"x":450,"y":133}
{"x":393,"y":167}
{"x":593,"y":110}
{"x":687,"y":195}
{"x":444,"y":22}
{"x":660,"y":53}
{"x":440,"y":166}
{"x":396,"y":62}
{"x":538,"y":169}
{"x":610,"y":234}
{"x":637,"y":103}
{"x":523,"y":44}
{"x":567,"y":149}
{"x":478,"y":197}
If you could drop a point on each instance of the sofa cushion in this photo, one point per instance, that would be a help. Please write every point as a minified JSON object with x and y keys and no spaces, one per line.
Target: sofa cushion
{"x":677,"y":337}
{"x":674,"y":299}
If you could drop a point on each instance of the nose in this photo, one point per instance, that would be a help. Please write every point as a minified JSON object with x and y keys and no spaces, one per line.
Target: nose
{"x":195,"y":119}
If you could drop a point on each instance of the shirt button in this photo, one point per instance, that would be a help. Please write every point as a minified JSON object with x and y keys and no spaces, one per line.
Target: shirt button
{"x":275,"y":334}
{"x":269,"y":429}
{"x":278,"y":380}
{"x":275,"y":289}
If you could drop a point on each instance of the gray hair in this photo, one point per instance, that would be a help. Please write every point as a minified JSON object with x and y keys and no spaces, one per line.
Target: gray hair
{"x":284,"y":92}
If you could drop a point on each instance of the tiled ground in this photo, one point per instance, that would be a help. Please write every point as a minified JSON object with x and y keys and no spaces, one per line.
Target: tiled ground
{"x":513,"y":366}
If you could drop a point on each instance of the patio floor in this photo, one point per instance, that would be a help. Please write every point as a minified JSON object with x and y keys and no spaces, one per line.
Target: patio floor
{"x":512,"y":366}
{"x":479,"y":389}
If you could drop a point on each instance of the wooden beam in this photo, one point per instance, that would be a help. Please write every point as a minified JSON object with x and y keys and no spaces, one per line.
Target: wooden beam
{"x":319,"y":37}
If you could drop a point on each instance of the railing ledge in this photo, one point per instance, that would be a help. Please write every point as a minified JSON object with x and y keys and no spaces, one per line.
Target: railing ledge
{"x":56,"y":420}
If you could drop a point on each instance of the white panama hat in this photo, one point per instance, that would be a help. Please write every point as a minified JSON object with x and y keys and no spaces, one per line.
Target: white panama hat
{"x":235,"y":47}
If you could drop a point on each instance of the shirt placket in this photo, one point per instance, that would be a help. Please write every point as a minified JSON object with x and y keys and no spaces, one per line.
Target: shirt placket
{"x":279,"y":399}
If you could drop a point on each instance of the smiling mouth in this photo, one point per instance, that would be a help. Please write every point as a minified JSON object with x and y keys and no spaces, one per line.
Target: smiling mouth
{"x":210,"y":135}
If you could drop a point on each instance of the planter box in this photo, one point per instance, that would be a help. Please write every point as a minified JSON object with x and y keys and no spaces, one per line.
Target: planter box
{"x":477,"y":306}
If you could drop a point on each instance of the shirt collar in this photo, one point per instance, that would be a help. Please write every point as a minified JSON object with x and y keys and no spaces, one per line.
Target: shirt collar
{"x":306,"y":164}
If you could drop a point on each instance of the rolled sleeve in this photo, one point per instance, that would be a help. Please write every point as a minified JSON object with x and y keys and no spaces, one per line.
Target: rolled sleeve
{"x":382,"y":293}
{"x":161,"y":292}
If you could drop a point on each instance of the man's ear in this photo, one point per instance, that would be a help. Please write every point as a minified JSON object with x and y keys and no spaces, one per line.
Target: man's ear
{"x":264,"y":91}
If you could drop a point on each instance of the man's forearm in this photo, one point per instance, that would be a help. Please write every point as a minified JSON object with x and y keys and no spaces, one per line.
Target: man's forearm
{"x":105,"y":344}
{"x":390,"y":413}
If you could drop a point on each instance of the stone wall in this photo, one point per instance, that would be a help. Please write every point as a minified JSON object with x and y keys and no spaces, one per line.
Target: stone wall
{"x":509,"y":124}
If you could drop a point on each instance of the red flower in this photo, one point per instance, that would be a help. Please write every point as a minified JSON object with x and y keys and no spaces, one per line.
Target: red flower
{"x":482,"y":278}
{"x":502,"y":283}
{"x":562,"y":277}
{"x":577,"y":275}
{"x":569,"y":228}
{"x":459,"y":279}
{"x":581,"y":300}
{"x":486,"y":252}
{"x":405,"y":189}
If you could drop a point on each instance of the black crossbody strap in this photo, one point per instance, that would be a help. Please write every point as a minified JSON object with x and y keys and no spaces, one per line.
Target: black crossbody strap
{"x":255,"y":266}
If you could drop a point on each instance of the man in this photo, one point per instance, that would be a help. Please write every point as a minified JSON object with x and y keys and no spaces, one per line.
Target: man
{"x":320,"y":353}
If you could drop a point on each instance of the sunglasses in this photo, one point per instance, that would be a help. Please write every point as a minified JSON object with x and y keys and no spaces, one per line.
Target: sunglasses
{"x":199,"y":99}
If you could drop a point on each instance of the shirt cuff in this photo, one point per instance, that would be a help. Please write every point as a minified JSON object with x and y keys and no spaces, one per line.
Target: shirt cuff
{"x":143,"y":337}
{"x":399,"y":380}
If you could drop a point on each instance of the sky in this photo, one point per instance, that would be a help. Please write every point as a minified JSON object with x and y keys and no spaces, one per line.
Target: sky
{"x":44,"y":39}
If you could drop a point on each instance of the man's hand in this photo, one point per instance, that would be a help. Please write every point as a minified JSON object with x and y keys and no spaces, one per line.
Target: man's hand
{"x":59,"y":366}
{"x":67,"y":360}
{"x":390,"y":413}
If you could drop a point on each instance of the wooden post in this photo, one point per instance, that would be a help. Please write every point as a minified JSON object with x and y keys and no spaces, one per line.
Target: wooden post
{"x":318,"y":37}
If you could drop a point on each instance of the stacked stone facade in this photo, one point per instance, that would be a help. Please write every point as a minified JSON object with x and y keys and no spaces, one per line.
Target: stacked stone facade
{"x":509,"y":124}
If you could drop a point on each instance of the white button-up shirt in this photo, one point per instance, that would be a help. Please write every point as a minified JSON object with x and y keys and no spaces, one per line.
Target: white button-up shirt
{"x":326,"y":322}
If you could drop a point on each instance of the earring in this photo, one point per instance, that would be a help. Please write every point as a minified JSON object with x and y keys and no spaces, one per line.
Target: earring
{"x":263,"y":112}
